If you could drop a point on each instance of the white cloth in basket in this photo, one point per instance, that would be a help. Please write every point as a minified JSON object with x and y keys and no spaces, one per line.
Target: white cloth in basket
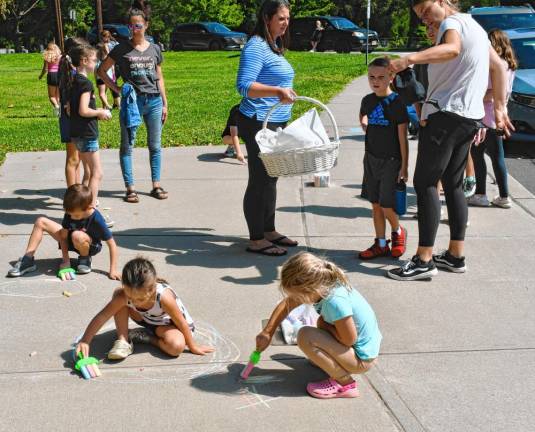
{"x":305,"y":132}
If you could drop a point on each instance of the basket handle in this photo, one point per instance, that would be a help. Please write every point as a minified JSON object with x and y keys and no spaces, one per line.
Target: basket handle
{"x":313,"y":101}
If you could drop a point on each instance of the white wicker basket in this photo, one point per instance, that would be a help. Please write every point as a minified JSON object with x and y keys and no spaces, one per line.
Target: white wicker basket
{"x":301,"y":161}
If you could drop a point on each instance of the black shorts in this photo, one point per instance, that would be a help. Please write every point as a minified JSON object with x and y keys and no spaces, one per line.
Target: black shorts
{"x":94,"y":248}
{"x":152,"y":327}
{"x":381,"y":177}
{"x":52,"y":79}
{"x":231,"y":121}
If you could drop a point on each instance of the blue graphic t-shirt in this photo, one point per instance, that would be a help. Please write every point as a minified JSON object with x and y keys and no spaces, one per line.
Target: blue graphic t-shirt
{"x":384,"y":116}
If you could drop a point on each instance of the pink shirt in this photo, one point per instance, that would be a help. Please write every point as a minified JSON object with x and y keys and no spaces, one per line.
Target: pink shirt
{"x":489,"y":120}
{"x":52,"y":67}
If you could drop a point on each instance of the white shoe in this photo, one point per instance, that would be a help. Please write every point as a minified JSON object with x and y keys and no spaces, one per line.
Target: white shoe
{"x":505,"y":203}
{"x":120,"y":350}
{"x":478,"y":200}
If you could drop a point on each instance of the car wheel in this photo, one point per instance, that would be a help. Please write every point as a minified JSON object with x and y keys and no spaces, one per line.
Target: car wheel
{"x":215,"y":46}
{"x":343,"y":46}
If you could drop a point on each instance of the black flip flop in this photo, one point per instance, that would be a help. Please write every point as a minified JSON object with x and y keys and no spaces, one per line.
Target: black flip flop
{"x":279,"y":242}
{"x":263,"y":251}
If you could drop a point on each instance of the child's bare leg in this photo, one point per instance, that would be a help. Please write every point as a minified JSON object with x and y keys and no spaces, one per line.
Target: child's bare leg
{"x":227,"y":140}
{"x":103,"y":96}
{"x":121,"y":320}
{"x":170,"y":340}
{"x":337,"y":360}
{"x":392,"y":218}
{"x":81,"y":242}
{"x":379,"y":221}
{"x":92,"y":159}
{"x":42,"y":225}
{"x":87,"y":174}
{"x":53,"y":96}
{"x":72,"y":163}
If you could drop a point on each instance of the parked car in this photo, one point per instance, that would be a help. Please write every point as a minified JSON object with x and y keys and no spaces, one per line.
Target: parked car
{"x":120,"y":33}
{"x":522,"y":102}
{"x":206,"y":36}
{"x":340,"y":34}
{"x":504,"y":17}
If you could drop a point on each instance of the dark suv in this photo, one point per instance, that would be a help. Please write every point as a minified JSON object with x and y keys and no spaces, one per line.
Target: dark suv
{"x":340,"y":34}
{"x":206,"y":36}
{"x":504,"y":17}
{"x":120,"y":33}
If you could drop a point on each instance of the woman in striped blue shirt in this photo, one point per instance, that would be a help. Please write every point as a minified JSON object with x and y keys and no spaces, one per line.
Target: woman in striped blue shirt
{"x":264,"y":78}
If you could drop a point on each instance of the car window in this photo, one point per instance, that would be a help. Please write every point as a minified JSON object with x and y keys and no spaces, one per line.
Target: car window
{"x":343,"y":24}
{"x":217,"y":28}
{"x":505,"y":21}
{"x":525,"y":52}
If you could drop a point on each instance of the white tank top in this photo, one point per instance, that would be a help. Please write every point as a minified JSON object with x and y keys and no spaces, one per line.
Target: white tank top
{"x":156,"y":315}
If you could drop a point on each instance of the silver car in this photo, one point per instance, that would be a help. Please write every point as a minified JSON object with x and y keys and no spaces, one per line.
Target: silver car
{"x":522,"y":102}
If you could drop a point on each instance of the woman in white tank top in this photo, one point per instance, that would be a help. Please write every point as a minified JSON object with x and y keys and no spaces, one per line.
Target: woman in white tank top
{"x":154,"y":305}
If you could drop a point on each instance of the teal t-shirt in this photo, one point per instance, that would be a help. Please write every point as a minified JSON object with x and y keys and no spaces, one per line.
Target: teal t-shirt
{"x":342,"y":303}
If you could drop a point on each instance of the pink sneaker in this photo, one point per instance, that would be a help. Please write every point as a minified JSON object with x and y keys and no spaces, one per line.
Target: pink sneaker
{"x":329,"y":388}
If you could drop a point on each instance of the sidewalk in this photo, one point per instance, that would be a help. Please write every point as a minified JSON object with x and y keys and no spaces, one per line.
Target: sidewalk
{"x":457,"y":355}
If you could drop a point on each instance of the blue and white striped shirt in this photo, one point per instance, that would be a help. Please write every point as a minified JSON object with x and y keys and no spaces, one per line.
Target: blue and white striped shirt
{"x":258,"y":63}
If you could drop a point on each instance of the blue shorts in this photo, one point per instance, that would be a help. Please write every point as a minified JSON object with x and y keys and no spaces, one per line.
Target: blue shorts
{"x":86,"y":145}
{"x":64,"y":126}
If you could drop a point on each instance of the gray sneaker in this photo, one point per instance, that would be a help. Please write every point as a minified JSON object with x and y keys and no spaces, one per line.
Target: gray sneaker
{"x":84,"y":265}
{"x":230,"y":152}
{"x":25,"y":264}
{"x":139,"y":335}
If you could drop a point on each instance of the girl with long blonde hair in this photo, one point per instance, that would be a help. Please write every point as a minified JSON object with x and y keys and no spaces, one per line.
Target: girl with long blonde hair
{"x":51,"y":59}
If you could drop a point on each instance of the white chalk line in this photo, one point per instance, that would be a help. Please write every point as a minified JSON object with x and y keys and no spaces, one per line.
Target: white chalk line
{"x":63,"y":285}
{"x":258,"y":398}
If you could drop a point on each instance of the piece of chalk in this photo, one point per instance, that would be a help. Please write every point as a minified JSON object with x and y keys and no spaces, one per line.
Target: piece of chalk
{"x":247,"y":370}
{"x":67,"y":293}
{"x":33,"y":353}
{"x":91,"y":371}
{"x":85,"y":373}
{"x":96,"y":369}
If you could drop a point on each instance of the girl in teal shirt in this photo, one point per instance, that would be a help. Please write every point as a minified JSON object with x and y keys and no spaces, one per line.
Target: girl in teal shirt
{"x":346,"y":340}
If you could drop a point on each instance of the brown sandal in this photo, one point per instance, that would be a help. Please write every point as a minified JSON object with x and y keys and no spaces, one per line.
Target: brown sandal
{"x":158,"y":193}
{"x":131,"y":197}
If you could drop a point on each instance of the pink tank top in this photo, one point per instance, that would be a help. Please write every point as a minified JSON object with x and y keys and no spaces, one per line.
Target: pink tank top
{"x":52,"y":67}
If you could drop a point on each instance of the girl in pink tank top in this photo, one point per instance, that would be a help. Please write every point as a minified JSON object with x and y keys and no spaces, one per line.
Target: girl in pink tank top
{"x":51,"y":57}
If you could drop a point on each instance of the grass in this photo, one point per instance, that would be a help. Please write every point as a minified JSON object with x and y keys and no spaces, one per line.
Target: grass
{"x":200,"y":88}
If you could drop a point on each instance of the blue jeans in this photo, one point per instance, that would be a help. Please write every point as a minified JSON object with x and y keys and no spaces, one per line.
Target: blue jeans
{"x":150,"y":108}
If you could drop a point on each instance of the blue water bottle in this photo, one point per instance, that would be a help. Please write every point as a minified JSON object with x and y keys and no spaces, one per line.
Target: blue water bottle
{"x":401,"y":198}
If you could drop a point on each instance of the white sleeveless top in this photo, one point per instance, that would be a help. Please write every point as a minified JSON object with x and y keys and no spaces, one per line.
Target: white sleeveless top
{"x":156,"y":315}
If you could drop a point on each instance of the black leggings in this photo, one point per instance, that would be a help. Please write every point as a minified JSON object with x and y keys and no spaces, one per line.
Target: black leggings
{"x":443,"y":148}
{"x":261,"y":193}
{"x":493,"y":144}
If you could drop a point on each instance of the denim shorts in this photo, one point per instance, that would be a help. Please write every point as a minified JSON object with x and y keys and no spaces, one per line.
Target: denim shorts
{"x":86,"y":145}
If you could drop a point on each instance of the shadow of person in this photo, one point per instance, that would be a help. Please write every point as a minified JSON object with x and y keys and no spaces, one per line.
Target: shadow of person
{"x":217,"y":157}
{"x":337,"y":212}
{"x":262,"y":381}
{"x":197,"y":247}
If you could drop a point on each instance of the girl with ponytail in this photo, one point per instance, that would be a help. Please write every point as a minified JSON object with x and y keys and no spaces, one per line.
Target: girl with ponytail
{"x":347,"y":338}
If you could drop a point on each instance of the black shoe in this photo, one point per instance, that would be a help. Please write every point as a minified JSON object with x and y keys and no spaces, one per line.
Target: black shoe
{"x":25,"y":264}
{"x":447,"y":261}
{"x":414,"y":269}
{"x":84,"y":265}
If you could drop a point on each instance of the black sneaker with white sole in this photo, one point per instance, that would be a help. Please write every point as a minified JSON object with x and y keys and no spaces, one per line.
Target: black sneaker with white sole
{"x":447,"y":261}
{"x":25,"y":264}
{"x":414,"y":269}
{"x":84,"y":265}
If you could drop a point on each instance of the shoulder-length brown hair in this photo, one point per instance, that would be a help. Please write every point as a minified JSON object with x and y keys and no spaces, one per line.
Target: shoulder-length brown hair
{"x":268,"y":9}
{"x":502,"y":45}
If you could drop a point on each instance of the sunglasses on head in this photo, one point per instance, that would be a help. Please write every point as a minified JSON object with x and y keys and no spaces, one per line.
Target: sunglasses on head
{"x":135,"y":26}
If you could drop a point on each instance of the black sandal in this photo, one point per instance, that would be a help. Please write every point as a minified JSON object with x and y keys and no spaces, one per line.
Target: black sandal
{"x":264,"y":251}
{"x":131,"y":197}
{"x":159,"y":193}
{"x":279,"y":241}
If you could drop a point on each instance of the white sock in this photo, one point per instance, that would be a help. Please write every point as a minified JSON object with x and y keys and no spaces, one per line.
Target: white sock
{"x":382,"y":242}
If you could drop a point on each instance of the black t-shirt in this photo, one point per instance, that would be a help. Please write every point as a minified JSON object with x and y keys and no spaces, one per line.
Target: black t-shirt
{"x":138,"y":67}
{"x":94,"y":226}
{"x":384,"y":116}
{"x":82,"y":127}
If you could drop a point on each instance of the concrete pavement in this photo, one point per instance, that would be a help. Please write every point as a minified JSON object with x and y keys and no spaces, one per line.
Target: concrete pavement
{"x":458,"y":352}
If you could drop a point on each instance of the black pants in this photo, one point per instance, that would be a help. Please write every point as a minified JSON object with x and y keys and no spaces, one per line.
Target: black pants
{"x":261,"y":194}
{"x":443,"y":148}
{"x":493,"y":145}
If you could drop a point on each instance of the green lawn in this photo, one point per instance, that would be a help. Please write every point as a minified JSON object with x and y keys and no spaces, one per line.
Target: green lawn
{"x":200,"y":87}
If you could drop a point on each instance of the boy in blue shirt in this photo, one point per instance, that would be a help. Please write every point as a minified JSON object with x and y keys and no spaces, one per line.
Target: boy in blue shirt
{"x":384,"y":118}
{"x":83,"y":229}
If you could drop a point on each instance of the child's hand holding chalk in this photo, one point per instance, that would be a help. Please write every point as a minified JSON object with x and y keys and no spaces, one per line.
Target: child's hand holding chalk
{"x":263,"y":339}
